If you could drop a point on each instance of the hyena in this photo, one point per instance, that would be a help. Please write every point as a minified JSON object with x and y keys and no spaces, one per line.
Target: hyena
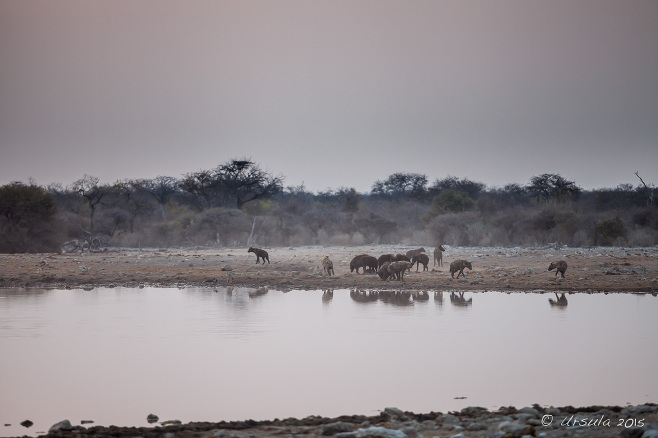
{"x":385,"y":258}
{"x":459,"y":265}
{"x":438,"y":255}
{"x":370,"y":263}
{"x":414,"y":252}
{"x":396,"y":269}
{"x":357,"y":262}
{"x":328,"y":265}
{"x":383,"y":271}
{"x":421,"y":258}
{"x":560,"y":267}
{"x":260,"y":254}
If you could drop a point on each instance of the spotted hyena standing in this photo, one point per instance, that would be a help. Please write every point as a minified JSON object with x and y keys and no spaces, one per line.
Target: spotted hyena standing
{"x":438,"y":255}
{"x":419,"y":259}
{"x":327,"y":265}
{"x":559,"y":266}
{"x":260,"y":254}
{"x":459,"y":265}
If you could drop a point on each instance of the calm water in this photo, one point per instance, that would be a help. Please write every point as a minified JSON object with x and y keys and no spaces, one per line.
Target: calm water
{"x":116,"y":355}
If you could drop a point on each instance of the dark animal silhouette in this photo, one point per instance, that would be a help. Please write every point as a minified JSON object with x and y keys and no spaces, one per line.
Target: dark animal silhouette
{"x":421,"y":258}
{"x":401,"y":258}
{"x":559,"y":266}
{"x":369,"y":264}
{"x":260,"y":254}
{"x":357,"y":262}
{"x":415,"y":252}
{"x":459,"y":265}
{"x":385,"y":258}
{"x":438,"y":255}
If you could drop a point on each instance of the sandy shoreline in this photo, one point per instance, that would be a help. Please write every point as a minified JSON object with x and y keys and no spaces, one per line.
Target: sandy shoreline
{"x":494,"y":269}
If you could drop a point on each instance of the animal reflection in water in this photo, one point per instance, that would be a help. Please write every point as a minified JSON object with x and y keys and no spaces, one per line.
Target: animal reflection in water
{"x":458,"y":299}
{"x":438,"y":298}
{"x":420,"y":296}
{"x":560,"y":301}
{"x":396,"y":298}
{"x":327,"y":295}
{"x":258,"y":292}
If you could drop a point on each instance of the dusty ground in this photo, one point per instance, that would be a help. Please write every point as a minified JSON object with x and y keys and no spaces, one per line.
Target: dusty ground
{"x":622,"y":270}
{"x":500,"y":269}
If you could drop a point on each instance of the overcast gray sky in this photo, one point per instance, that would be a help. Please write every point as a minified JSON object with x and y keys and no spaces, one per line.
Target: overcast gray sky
{"x":330,"y":93}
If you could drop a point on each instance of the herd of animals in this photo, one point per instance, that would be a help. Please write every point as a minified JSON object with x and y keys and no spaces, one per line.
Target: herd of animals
{"x":390,"y":266}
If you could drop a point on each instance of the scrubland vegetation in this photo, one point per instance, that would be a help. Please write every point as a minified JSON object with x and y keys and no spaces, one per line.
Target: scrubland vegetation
{"x":238,"y":204}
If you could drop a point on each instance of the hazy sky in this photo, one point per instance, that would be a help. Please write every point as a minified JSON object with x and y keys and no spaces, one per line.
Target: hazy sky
{"x":332,"y":92}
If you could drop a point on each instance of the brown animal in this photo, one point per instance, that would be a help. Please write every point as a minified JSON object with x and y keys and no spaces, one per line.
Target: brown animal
{"x":385,"y":258}
{"x":421,"y":258}
{"x":357,"y":263}
{"x":369,"y":264}
{"x":459,"y":265}
{"x":383,"y":271}
{"x":414,"y":252}
{"x":260,"y":254}
{"x":560,"y":267}
{"x":396,"y":269}
{"x":328,"y":265}
{"x":438,"y":255}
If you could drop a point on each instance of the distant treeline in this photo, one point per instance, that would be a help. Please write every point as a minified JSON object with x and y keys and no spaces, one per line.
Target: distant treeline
{"x":238,"y":204}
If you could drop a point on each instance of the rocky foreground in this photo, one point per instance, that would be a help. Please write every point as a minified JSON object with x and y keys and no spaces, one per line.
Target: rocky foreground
{"x":508,"y":422}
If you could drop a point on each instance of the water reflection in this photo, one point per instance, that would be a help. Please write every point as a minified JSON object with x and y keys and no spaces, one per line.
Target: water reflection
{"x":395,"y":298}
{"x":327,"y":295}
{"x":258,"y":292}
{"x":559,"y":302}
{"x":420,"y":296}
{"x":201,"y":342}
{"x":458,"y":300}
{"x":364,"y":296}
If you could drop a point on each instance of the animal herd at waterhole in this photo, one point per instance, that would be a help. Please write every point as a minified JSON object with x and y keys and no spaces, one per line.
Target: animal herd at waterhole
{"x":393,"y":266}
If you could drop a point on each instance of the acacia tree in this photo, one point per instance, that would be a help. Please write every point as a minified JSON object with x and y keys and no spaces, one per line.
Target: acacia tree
{"x":202,"y":186}
{"x":553,"y":186}
{"x":471,"y":188}
{"x":244,"y":181}
{"x":401,"y":184}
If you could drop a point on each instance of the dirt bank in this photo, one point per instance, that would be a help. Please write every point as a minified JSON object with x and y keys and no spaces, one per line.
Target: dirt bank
{"x":500,"y":269}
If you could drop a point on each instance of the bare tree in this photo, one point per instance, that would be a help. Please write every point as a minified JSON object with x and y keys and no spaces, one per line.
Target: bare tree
{"x":647,"y":188}
{"x":89,"y":188}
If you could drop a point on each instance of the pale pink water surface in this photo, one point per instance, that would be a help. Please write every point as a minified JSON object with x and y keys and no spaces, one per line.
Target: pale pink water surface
{"x":115,"y":355}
